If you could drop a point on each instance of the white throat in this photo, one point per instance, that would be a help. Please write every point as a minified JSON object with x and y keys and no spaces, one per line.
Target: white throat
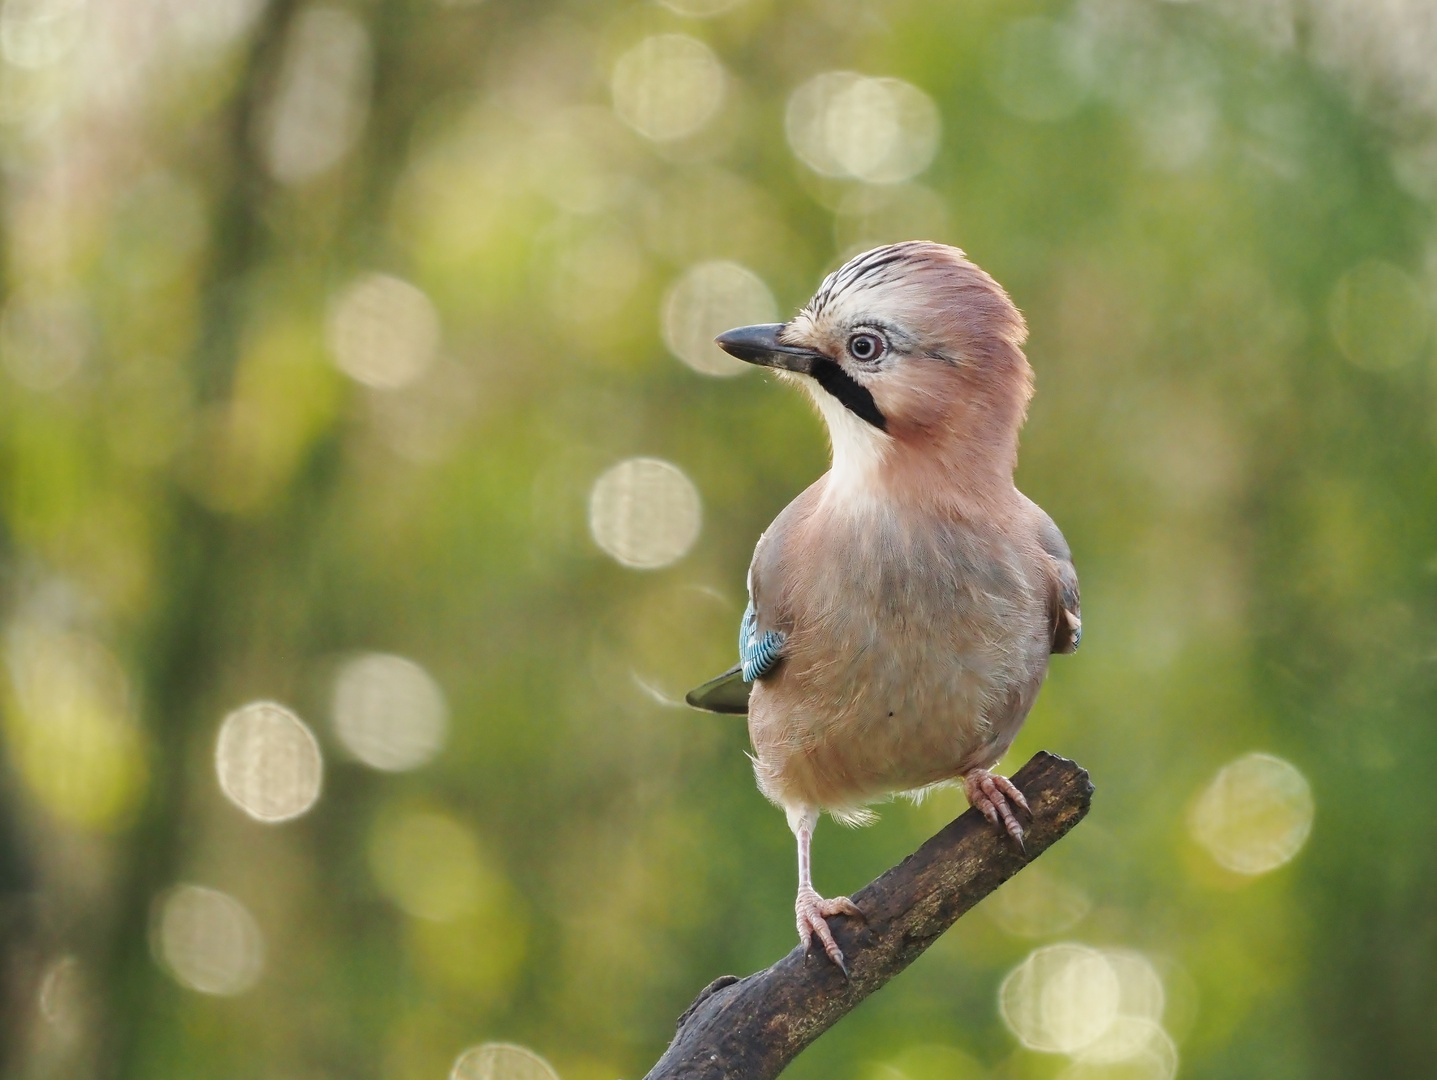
{"x":859,"y":448}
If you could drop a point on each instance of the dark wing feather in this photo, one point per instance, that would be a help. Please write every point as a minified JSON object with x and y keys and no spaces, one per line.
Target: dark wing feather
{"x":726,"y":694}
{"x":758,"y":654}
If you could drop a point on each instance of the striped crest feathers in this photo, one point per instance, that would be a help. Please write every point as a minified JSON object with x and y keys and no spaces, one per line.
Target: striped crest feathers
{"x":948,"y":282}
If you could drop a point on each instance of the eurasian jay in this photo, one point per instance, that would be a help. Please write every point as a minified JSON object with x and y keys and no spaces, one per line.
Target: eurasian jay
{"x":902,"y":609}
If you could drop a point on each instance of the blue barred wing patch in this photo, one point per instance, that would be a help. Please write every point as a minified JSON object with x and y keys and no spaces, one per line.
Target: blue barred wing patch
{"x":757,"y":654}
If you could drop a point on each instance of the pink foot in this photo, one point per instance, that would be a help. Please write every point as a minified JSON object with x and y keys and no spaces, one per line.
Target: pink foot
{"x":991,"y":794}
{"x":811,"y":910}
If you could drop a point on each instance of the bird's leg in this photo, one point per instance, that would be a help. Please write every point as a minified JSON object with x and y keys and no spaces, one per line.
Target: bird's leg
{"x":992,"y":794}
{"x":810,"y":908}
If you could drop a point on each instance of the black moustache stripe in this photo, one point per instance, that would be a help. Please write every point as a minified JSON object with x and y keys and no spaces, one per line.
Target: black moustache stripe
{"x":856,"y":399}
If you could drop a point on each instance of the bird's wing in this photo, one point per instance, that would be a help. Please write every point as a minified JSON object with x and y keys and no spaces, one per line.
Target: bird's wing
{"x":1067,"y":608}
{"x":758,"y":655}
{"x":726,"y":694}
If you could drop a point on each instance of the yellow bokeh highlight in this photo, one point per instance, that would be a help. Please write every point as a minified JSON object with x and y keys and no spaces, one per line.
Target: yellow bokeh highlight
{"x":469,"y":930}
{"x":477,"y":956}
{"x":69,"y":727}
{"x":428,"y":864}
{"x":285,"y":396}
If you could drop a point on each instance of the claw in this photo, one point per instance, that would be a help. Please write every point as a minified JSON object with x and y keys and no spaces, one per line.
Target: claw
{"x":1008,"y":788}
{"x":991,"y":794}
{"x":812,"y":911}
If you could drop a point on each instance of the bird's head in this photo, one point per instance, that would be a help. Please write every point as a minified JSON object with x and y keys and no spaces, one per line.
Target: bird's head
{"x":913,"y":356}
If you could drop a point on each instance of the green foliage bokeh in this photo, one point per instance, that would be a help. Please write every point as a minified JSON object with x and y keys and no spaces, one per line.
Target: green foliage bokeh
{"x":1218,"y":221}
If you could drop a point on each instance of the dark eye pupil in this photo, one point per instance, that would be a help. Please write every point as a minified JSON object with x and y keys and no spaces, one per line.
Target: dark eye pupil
{"x":864,"y":346}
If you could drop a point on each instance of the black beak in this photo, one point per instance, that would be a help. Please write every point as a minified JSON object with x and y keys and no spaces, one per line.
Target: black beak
{"x":760,"y":345}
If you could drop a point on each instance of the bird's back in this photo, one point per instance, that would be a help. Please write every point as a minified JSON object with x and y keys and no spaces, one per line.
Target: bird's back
{"x":917,"y":638}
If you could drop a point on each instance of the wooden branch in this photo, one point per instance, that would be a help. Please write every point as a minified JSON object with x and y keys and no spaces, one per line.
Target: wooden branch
{"x":750,"y":1029}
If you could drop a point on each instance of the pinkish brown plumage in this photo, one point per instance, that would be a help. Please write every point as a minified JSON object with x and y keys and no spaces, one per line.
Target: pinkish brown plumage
{"x":904,"y":606}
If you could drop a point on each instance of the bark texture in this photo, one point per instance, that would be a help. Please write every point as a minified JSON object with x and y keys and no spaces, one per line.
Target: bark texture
{"x":751,"y":1028}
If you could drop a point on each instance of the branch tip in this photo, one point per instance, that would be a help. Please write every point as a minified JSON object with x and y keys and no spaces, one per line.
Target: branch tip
{"x":753,"y":1027}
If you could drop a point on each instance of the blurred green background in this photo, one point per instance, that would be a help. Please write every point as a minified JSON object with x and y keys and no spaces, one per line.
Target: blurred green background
{"x":352,"y":360}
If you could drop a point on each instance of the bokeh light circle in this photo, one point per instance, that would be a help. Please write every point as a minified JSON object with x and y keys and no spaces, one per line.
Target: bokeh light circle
{"x":668,"y":86}
{"x":645,"y":513}
{"x":843,"y":124}
{"x":1379,"y":316}
{"x":708,"y":299}
{"x":62,"y":997}
{"x":389,"y":712}
{"x":268,"y":762}
{"x":1140,"y":987}
{"x":1061,"y":998}
{"x":383,"y":332}
{"x":208,"y":941}
{"x":1143,"y":1049}
{"x":700,"y":9}
{"x":1103,"y":1008}
{"x":320,"y":101}
{"x":1255,"y":815}
{"x":501,"y":1061}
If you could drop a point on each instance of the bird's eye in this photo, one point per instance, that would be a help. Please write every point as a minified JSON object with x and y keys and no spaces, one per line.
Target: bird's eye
{"x":866,"y":347}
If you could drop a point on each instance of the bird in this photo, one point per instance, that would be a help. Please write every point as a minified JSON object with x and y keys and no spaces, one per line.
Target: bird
{"x":902,"y":609}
